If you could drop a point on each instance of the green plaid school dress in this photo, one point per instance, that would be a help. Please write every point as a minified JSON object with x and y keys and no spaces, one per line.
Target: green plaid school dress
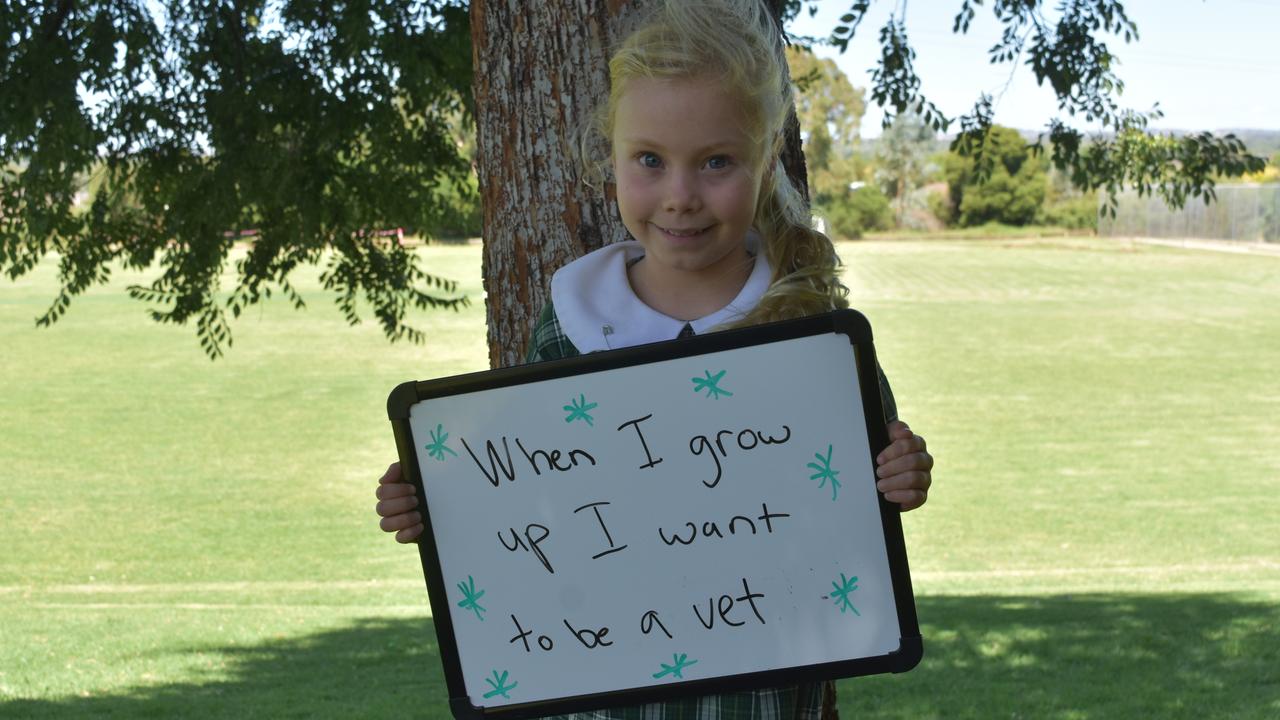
{"x":807,"y":701}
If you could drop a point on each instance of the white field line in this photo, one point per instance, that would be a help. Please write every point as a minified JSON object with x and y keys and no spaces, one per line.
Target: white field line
{"x":214,"y":587}
{"x":285,"y":586}
{"x":379,"y":609}
{"x":1117,"y":570}
{"x":1244,"y":247}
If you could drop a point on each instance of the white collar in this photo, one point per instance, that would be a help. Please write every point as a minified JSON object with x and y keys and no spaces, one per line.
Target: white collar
{"x":598,"y":310}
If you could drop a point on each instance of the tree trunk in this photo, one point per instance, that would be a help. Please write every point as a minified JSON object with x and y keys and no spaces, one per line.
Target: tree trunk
{"x":792,"y":154}
{"x":540,"y":69}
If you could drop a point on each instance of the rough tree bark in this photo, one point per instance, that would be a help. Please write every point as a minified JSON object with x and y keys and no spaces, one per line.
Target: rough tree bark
{"x":792,"y":154}
{"x":540,"y":69}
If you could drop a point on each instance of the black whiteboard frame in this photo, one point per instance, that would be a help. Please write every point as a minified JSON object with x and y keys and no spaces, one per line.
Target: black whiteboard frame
{"x":843,"y":322}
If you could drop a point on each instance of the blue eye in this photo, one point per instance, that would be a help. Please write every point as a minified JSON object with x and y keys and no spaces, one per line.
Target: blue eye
{"x":718,"y":162}
{"x":650,"y":160}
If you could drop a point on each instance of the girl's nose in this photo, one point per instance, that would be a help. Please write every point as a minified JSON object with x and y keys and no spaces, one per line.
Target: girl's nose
{"x":682,"y":193}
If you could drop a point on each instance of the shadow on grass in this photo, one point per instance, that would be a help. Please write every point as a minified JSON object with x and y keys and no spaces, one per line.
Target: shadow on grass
{"x":369,"y":669}
{"x":1084,"y":656}
{"x":1087,"y":656}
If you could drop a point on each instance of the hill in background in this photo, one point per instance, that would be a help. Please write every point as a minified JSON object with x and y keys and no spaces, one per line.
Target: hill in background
{"x":1263,"y":143}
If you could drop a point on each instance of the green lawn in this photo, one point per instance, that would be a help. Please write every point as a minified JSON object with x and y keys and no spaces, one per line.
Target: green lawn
{"x":182,"y":537}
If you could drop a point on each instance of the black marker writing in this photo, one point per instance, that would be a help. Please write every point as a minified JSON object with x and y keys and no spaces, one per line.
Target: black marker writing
{"x":724,"y":605}
{"x":590,"y":639}
{"x":648,"y":620}
{"x":636,"y":424}
{"x":495,"y":461}
{"x":746,"y":440}
{"x":595,"y":506}
{"x":738,"y":523}
{"x":529,"y":542}
{"x":544,"y":642}
{"x":552,"y":458}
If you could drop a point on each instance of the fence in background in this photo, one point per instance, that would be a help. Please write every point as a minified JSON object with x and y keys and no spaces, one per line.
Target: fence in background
{"x":1243,"y":213}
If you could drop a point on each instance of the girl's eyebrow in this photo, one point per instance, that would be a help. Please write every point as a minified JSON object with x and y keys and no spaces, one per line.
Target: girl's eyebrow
{"x":717,"y":145}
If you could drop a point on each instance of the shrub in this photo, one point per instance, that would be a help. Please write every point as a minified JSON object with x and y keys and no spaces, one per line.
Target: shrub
{"x":1013,"y":192}
{"x":939,"y":204}
{"x":1004,"y":198}
{"x":460,"y":214}
{"x":855,"y":212}
{"x":1077,"y":213}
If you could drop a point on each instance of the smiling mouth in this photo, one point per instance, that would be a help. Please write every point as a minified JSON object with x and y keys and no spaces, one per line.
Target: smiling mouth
{"x":683,"y":232}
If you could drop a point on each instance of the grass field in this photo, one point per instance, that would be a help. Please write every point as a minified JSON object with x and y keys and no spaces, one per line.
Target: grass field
{"x":187,"y":538}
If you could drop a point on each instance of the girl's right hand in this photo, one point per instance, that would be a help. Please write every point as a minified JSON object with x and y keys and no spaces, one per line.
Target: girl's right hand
{"x":398,"y":506}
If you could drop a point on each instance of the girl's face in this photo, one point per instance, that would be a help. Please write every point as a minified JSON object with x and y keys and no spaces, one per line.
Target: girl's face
{"x":686,"y":179}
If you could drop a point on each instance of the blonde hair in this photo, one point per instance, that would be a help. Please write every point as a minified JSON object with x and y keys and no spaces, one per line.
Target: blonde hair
{"x":737,"y":43}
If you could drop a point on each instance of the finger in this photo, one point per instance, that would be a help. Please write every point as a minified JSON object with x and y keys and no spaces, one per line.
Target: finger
{"x":392,"y":475}
{"x":898,"y":430}
{"x":914,"y":461}
{"x":395,"y":490}
{"x":400,"y":522}
{"x":907,"y":499}
{"x":898,"y":448}
{"x":396,"y":506}
{"x":913,"y":480}
{"x":410,"y":534}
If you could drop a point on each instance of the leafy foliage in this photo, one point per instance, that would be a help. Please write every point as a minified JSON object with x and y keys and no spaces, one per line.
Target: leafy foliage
{"x":1066,"y":206}
{"x":854,"y":212}
{"x":1268,"y":174}
{"x":1066,"y":49}
{"x":135,"y":131}
{"x":1011,"y":191}
{"x":830,"y":110}
{"x":902,"y":158}
{"x":1077,"y":212}
{"x":460,"y":215}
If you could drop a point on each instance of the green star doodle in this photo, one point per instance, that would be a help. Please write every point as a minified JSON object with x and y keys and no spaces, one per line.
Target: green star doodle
{"x":436,"y":448}
{"x":577,"y":409}
{"x":499,"y":685}
{"x":711,"y":384}
{"x":676,"y":669}
{"x":825,"y":473}
{"x":471,"y":598}
{"x":841,"y":595}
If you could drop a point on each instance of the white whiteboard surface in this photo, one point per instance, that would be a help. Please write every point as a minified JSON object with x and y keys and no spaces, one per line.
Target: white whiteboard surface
{"x":787,"y":566}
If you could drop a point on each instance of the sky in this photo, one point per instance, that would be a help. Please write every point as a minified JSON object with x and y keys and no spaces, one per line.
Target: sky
{"x":1210,"y":64}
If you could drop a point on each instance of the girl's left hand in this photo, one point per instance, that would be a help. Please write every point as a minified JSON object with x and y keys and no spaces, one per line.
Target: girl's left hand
{"x":903,"y":468}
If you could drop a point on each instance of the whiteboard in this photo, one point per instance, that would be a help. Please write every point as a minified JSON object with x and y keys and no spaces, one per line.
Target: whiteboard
{"x":687,"y":517}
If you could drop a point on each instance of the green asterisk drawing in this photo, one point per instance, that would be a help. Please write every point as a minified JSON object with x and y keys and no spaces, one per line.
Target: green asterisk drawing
{"x":436,"y":448}
{"x":499,"y":685}
{"x":841,"y":595}
{"x":471,"y":598}
{"x":825,"y":473}
{"x":710,"y":384}
{"x":578,"y":409}
{"x":677,"y":668}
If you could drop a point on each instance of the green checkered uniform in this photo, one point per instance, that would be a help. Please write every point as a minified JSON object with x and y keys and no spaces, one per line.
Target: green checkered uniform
{"x":800,"y":702}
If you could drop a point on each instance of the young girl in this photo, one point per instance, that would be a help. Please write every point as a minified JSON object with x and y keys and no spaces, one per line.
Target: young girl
{"x":720,"y":239}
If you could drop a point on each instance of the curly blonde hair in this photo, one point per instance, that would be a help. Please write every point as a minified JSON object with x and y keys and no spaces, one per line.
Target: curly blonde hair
{"x":737,"y":43}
